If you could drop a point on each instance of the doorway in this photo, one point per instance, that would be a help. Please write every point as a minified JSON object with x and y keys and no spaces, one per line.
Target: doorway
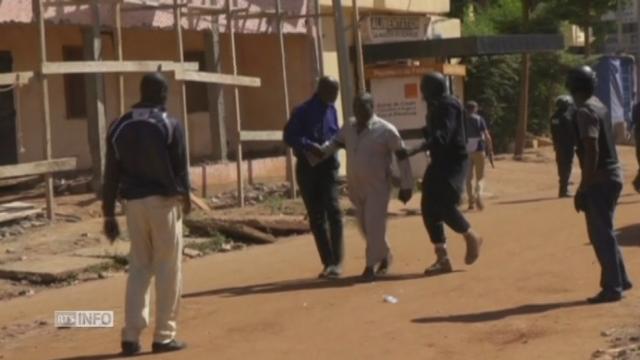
{"x":8,"y":139}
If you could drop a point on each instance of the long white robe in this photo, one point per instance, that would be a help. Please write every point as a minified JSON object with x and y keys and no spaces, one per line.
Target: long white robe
{"x":369,"y":174}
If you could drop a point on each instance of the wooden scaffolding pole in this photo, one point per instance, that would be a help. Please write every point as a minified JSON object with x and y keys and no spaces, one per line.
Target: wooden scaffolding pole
{"x":285,"y":88}
{"x":177,"y":16}
{"x":46,"y":112}
{"x":236,"y":101}
{"x":120,"y":55}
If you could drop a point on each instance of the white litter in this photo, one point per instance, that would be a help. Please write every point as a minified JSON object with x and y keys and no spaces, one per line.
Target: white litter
{"x":390,"y":299}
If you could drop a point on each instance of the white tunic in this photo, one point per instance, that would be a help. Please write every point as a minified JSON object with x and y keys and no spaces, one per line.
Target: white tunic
{"x":369,"y":173}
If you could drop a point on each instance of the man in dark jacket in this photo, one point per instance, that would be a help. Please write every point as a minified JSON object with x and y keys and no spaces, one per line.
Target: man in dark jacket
{"x":312,"y":124}
{"x":563,"y":135}
{"x":147,"y":168}
{"x":445,"y":176}
{"x":601,"y":182}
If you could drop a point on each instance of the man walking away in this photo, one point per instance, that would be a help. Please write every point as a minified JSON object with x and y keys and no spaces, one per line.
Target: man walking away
{"x":147,"y":168}
{"x":479,"y":144}
{"x":564,"y":143}
{"x":371,"y":143}
{"x":601,"y":182}
{"x":314,"y":123}
{"x":444,"y":178}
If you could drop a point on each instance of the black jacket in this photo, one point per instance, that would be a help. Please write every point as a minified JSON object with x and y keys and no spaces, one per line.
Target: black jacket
{"x":146,"y":156}
{"x":446,"y":141}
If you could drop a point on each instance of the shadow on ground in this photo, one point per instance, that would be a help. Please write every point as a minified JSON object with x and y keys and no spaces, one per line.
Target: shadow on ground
{"x":105,"y":356}
{"x":494,"y":315}
{"x":526,"y":201}
{"x":629,"y":235}
{"x":297,"y":285}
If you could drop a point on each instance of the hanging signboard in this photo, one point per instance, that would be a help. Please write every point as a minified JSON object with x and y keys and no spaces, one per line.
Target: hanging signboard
{"x":397,"y":100}
{"x":380,"y":29}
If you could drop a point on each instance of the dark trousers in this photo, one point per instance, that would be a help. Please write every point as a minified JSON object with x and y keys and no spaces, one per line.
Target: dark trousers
{"x":320,"y":193}
{"x":564,"y":161}
{"x":440,"y":207}
{"x":600,"y":204}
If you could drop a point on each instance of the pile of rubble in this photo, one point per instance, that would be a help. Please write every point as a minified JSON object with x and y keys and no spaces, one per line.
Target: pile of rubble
{"x":624,"y":345}
{"x":19,"y":227}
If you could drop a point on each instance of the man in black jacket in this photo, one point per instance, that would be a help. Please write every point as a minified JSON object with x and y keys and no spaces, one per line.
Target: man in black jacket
{"x":564,"y":142}
{"x":147,"y":168}
{"x":445,"y":176}
{"x":601,"y":182}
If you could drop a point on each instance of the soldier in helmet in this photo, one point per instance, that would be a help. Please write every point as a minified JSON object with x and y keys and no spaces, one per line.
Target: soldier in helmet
{"x":601,"y":182}
{"x":445,"y":176}
{"x":562,"y":133}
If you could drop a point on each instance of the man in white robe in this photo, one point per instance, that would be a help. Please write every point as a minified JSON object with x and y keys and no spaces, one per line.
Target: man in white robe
{"x":371,"y":143}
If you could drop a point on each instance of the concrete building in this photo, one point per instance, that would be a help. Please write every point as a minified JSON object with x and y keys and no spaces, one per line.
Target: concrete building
{"x":148,"y":36}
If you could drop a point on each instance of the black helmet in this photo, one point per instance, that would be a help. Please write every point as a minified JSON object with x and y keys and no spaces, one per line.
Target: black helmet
{"x":154,"y":88}
{"x":433,"y":85}
{"x":581,"y":80}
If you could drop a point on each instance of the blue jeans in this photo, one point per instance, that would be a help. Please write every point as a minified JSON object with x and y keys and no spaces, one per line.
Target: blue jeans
{"x":600,"y":203}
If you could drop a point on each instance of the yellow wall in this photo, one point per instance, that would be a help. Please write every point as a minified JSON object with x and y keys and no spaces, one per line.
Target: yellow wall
{"x":258,"y":55}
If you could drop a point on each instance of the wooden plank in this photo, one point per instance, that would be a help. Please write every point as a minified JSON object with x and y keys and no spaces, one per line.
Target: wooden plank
{"x":38,"y":168}
{"x":88,"y":67}
{"x":217,"y":78}
{"x":199,"y":202}
{"x":258,"y":15}
{"x":266,"y":135}
{"x":17,"y":215}
{"x":236,"y":100}
{"x":20,"y":78}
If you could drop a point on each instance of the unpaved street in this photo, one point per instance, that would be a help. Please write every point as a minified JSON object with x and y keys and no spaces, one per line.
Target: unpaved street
{"x":523,"y":300}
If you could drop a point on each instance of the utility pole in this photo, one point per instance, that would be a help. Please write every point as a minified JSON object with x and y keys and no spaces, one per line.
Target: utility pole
{"x":357,"y":41}
{"x":521,"y":131}
{"x":346,"y":86}
{"x":637,"y":52}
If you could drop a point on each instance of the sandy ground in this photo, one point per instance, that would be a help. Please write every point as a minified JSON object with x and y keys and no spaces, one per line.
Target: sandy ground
{"x":523,"y":300}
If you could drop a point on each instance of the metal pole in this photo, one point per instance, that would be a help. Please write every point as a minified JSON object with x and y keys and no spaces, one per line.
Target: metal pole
{"x":318,"y":38}
{"x":521,"y":130}
{"x":637,"y":52}
{"x":285,"y":88}
{"x":357,"y":36}
{"x":118,"y":18}
{"x":177,"y":16}
{"x":236,"y":101}
{"x":346,"y":87}
{"x":46,"y":112}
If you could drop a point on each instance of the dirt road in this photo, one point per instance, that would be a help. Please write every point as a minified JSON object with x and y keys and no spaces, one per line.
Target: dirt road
{"x":523,"y":300}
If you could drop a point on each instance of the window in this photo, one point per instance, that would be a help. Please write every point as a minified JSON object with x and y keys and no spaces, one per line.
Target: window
{"x":74,"y":86}
{"x":197,"y":100}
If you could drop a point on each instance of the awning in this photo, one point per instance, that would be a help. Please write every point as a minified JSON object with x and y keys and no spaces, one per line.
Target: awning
{"x":463,"y":47}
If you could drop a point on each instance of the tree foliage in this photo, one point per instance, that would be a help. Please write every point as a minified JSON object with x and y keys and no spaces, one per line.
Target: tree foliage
{"x":495,"y":81}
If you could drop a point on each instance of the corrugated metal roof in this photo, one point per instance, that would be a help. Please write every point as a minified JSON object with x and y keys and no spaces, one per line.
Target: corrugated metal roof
{"x":21,"y":11}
